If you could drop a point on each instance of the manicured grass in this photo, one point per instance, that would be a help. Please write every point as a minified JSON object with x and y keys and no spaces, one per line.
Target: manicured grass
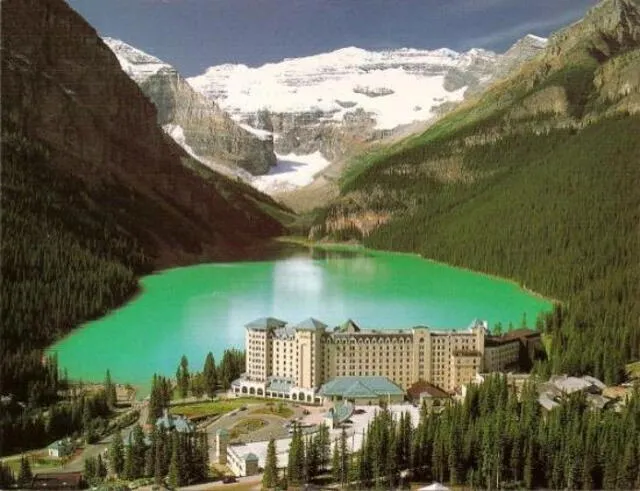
{"x":38,"y":460}
{"x":246,"y":426}
{"x":277,"y":409}
{"x":212,"y":408}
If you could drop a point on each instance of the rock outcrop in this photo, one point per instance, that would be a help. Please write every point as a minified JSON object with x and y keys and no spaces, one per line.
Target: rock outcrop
{"x":196,"y":123}
{"x":63,"y":88}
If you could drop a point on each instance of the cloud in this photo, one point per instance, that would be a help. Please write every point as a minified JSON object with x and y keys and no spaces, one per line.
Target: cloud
{"x":513,"y":33}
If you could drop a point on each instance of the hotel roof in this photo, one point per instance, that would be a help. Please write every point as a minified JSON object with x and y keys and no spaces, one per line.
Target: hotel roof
{"x":360,"y":387}
{"x":265,"y":323}
{"x":311,"y":324}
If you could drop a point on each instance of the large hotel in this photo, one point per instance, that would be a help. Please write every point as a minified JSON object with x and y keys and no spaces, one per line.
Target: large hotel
{"x":294,"y":361}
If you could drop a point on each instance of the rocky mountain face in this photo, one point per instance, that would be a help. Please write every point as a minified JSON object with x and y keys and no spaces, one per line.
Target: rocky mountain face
{"x":334,"y":102}
{"x":198,"y":124}
{"x":63,"y":89}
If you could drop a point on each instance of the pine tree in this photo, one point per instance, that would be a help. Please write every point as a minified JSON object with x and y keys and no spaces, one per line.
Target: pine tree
{"x":174,"y":471}
{"x":128,"y":471}
{"x":24,"y":475}
{"x":336,"y":470}
{"x":116,"y":454}
{"x":182,"y":376}
{"x":101,"y":468}
{"x":270,"y":477}
{"x":90,"y":469}
{"x":324,"y":447}
{"x":210,"y":376}
{"x":110,"y":391}
{"x":344,"y":457}
{"x":138,"y":448}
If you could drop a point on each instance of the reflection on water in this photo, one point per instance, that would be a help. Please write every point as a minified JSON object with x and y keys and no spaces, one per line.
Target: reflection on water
{"x":204,"y":308}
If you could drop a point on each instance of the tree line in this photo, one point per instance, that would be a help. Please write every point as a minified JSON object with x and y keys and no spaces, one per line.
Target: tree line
{"x":166,"y":455}
{"x":554,"y":209}
{"x":493,"y":439}
{"x":212,"y":378}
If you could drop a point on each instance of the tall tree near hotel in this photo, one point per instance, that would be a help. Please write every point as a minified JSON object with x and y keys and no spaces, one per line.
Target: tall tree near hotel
{"x":116,"y":454}
{"x":210,"y":375}
{"x":25,"y":475}
{"x":110,"y":391}
{"x":324,"y":447}
{"x":295,"y":467}
{"x":270,"y":476}
{"x":182,"y":377}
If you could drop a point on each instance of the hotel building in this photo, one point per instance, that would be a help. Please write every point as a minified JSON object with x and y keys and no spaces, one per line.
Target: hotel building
{"x":293,"y":361}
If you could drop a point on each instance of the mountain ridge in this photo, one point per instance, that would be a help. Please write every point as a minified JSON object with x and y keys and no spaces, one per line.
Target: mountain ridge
{"x":197,"y":124}
{"x":532,"y":180}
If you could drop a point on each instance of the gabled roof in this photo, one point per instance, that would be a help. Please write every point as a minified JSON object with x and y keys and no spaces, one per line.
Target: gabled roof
{"x":311,"y":324}
{"x":264,"y":323}
{"x":421,"y":387}
{"x":349,"y":326}
{"x":360,"y":387}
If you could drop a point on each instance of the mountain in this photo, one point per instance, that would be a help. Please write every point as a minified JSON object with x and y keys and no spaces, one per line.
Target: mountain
{"x":94,"y":193}
{"x":536,"y":179}
{"x":196,"y":123}
{"x":323,"y":102}
{"x":330,"y":101}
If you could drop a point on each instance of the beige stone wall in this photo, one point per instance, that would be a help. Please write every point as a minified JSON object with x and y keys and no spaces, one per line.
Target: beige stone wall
{"x":312,"y":357}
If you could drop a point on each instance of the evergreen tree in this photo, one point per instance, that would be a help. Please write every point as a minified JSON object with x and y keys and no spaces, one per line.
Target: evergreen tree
{"x":210,"y":375}
{"x":270,"y":476}
{"x":336,"y":470}
{"x":324,"y":447}
{"x":174,"y":470}
{"x":101,"y":468}
{"x":90,"y":471}
{"x":24,"y":475}
{"x":138,"y":448}
{"x":182,"y":377}
{"x":128,"y":471}
{"x":116,"y":454}
{"x":110,"y":391}
{"x":344,"y":457}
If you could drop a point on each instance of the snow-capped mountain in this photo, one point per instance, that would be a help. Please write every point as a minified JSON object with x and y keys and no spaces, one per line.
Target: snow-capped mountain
{"x":198,"y":124}
{"x":327,"y":101}
{"x":135,"y":63}
{"x":395,"y":87}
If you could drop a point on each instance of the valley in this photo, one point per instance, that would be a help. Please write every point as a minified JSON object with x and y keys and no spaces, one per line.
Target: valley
{"x":466,"y":222}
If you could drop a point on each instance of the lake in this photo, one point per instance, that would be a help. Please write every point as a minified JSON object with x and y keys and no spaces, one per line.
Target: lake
{"x":197,"y":309}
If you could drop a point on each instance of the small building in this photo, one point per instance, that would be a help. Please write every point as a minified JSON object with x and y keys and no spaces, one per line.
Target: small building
{"x":175,"y":422}
{"x":362,"y":390}
{"x":241,"y":461}
{"x":61,"y":480}
{"x":60,"y":449}
{"x":434,"y":398}
{"x":338,"y":414}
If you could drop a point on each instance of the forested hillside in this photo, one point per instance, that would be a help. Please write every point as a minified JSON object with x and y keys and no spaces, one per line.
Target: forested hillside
{"x":93,"y":193}
{"x":537,"y":181}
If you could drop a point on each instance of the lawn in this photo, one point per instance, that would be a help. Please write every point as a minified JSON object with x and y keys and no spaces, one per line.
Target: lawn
{"x":38,"y":460}
{"x":277,"y":409}
{"x":212,"y":408}
{"x":246,"y":426}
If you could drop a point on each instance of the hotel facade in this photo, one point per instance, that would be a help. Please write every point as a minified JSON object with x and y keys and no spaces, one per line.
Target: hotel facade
{"x":292,"y":361}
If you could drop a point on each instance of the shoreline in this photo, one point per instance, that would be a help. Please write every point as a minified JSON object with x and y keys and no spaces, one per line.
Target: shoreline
{"x":302,"y":241}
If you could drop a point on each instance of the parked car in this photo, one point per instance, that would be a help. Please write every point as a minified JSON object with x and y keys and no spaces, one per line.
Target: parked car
{"x":229,"y":479}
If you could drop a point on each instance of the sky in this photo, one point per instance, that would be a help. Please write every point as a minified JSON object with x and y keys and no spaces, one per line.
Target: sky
{"x":192,"y":35}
